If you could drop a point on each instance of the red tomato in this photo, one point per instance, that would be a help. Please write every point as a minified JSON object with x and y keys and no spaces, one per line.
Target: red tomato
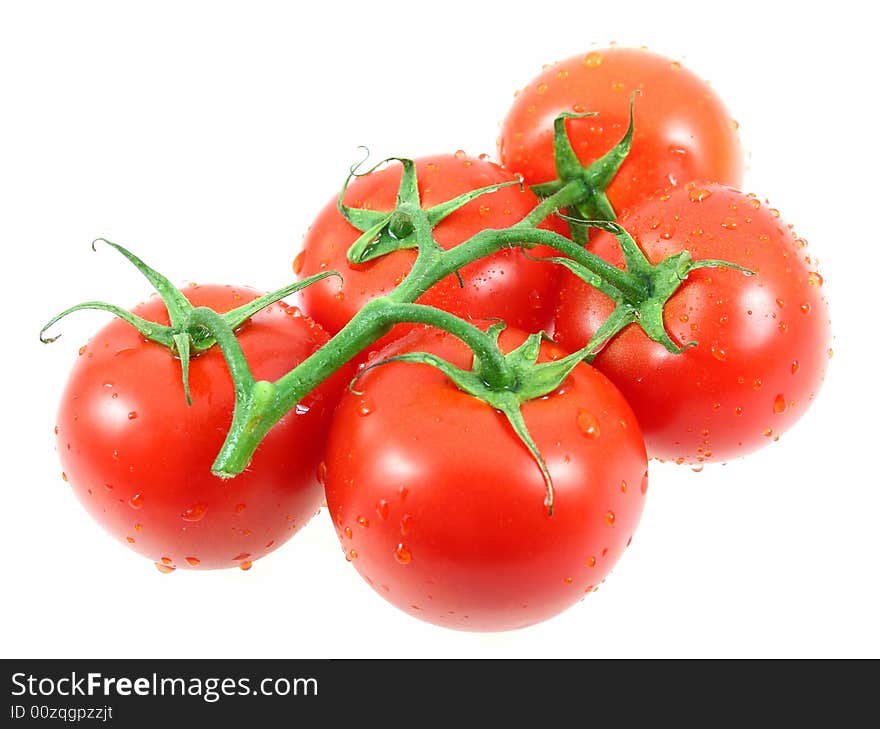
{"x":442,"y":510}
{"x":762,"y":340}
{"x":139,"y":458}
{"x":682,"y":130}
{"x":505,"y":285}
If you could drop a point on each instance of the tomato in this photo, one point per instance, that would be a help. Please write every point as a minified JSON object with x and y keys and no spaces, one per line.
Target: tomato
{"x":763,"y":341}
{"x":139,"y":458}
{"x":505,"y":284}
{"x":682,"y":130}
{"x":442,"y":510}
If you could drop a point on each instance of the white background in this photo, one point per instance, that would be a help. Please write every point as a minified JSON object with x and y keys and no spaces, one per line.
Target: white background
{"x":205,"y":136}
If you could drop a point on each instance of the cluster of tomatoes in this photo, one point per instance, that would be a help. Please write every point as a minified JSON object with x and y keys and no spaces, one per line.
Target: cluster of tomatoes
{"x":436,"y":503}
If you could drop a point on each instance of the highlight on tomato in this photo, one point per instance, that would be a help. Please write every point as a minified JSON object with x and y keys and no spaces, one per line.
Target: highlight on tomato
{"x":761,"y":342}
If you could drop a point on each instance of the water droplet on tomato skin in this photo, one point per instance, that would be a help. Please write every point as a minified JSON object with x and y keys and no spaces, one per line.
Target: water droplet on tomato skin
{"x":365,"y":407}
{"x":382,"y":508}
{"x":130,"y":540}
{"x":696,"y":468}
{"x":644,"y":485}
{"x":767,"y":432}
{"x":164,"y":568}
{"x":348,"y":533}
{"x":568,"y":580}
{"x":132,"y":415}
{"x":795,"y":366}
{"x":591,"y":561}
{"x":193,"y":561}
{"x":246,"y":565}
{"x":719,"y":354}
{"x":779,"y":404}
{"x":240,"y":557}
{"x":592,"y":60}
{"x":362,"y":522}
{"x":460,"y":154}
{"x":815,"y":279}
{"x":698,"y":194}
{"x":587,"y":423}
{"x":136,"y":501}
{"x":623,"y":487}
{"x":298,"y":262}
{"x":610,"y":518}
{"x":402,"y":554}
{"x":195,"y":513}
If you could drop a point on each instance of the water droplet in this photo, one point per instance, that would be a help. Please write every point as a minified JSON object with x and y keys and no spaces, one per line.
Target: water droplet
{"x":382,"y":508}
{"x":246,"y":565}
{"x":562,"y":74}
{"x":348,"y":533}
{"x":365,"y":407}
{"x":238,"y":557}
{"x":194,"y":561}
{"x":353,"y":554}
{"x":623,"y":486}
{"x":321,"y":472}
{"x":568,"y":580}
{"x":756,"y":385}
{"x":82,"y":350}
{"x":402,"y":554}
{"x":138,"y":527}
{"x":698,"y":194}
{"x":779,"y":404}
{"x":830,"y":353}
{"x":719,"y":354}
{"x":734,"y":124}
{"x":136,"y":501}
{"x":767,"y":432}
{"x":298,"y":262}
{"x":64,"y":477}
{"x":729,"y":224}
{"x":166,"y":560}
{"x":238,"y":508}
{"x":195,"y":513}
{"x":130,"y":540}
{"x":610,"y":518}
{"x":164,"y":568}
{"x":815,"y":279}
{"x":675,"y":66}
{"x":362,"y":521}
{"x":592,"y":60}
{"x":696,"y":468}
{"x":591,"y":561}
{"x":132,"y":415}
{"x":780,"y":303}
{"x":774,"y":212}
{"x":406,"y":524}
{"x":795,"y":366}
{"x":542,"y":88}
{"x":737,"y":411}
{"x":460,"y":154}
{"x":535,"y":300}
{"x":617,"y":86}
{"x":644,"y":486}
{"x":587,"y":423}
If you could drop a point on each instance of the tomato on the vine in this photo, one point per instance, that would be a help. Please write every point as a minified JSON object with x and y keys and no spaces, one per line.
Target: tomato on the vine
{"x":682,"y":130}
{"x":442,"y":509}
{"x":505,"y":284}
{"x":762,"y":340}
{"x":139,"y":458}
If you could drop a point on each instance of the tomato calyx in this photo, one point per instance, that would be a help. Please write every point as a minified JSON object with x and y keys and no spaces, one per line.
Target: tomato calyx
{"x":192,"y":330}
{"x":388,"y":231}
{"x":581,"y":188}
{"x":512,"y":379}
{"x":660,"y":281}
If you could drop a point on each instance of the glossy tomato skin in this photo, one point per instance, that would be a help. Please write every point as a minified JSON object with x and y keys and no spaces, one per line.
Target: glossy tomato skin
{"x":505,"y":284}
{"x":763,"y":340}
{"x":139,"y":458}
{"x":682,"y":132}
{"x":442,"y":509}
